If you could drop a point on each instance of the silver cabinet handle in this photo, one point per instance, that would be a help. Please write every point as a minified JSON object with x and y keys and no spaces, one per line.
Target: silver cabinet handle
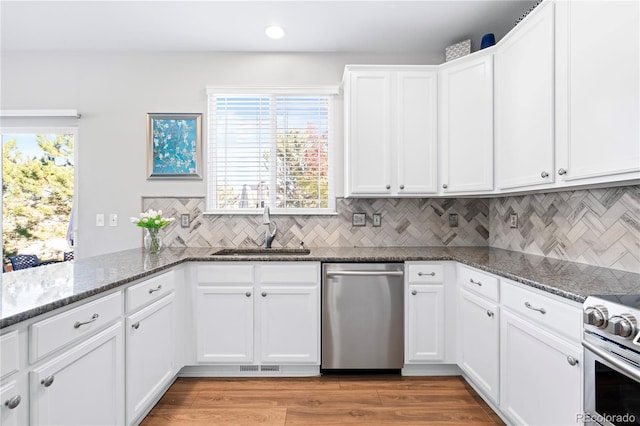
{"x":401,"y":186}
{"x":152,"y":290}
{"x":248,"y":294}
{"x":571,"y":360}
{"x":423,"y":274}
{"x":13,"y":402}
{"x":47,"y":381}
{"x":135,"y":325}
{"x":388,"y":186}
{"x":264,"y":294}
{"x":544,"y":175}
{"x":79,"y":324}
{"x":562,"y":172}
{"x":478,"y":283}
{"x":541,"y":310}
{"x":414,"y":292}
{"x":445,"y":186}
{"x":490,"y":314}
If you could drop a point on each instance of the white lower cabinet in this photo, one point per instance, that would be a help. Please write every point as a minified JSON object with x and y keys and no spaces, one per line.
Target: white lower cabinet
{"x":425,"y":323}
{"x":14,"y":404}
{"x":150,"y":355}
{"x":258,"y":313}
{"x":82,"y":386}
{"x":541,"y":375}
{"x":478,"y":343}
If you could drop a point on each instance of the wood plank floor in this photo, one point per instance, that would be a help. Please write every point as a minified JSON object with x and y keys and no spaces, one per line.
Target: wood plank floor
{"x":325,"y":400}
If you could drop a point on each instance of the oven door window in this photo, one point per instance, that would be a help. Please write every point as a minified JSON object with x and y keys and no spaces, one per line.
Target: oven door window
{"x":617,"y":396}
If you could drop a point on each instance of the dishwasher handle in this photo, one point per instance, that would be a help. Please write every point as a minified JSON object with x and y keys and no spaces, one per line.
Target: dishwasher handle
{"x":365,"y":273}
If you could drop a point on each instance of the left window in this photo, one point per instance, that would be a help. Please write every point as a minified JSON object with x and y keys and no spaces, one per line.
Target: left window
{"x":270,"y":148}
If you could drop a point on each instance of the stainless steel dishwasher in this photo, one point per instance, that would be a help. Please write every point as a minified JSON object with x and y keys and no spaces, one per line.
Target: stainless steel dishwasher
{"x":362,"y":316}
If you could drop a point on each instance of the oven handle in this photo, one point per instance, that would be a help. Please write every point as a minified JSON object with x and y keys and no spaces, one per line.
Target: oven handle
{"x":625,"y":368}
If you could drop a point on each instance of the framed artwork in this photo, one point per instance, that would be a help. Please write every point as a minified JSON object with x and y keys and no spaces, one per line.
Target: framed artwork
{"x":174,"y":146}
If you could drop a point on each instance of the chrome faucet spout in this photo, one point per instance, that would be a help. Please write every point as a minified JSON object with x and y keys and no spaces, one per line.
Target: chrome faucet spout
{"x":269,"y":235}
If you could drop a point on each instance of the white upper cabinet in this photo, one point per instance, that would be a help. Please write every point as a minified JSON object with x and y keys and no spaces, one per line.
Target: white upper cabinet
{"x":524,"y":100}
{"x":466,"y":124}
{"x":390,"y":131}
{"x":598,"y":91}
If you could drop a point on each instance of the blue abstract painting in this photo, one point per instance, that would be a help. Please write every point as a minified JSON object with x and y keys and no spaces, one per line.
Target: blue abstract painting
{"x":175,"y":145}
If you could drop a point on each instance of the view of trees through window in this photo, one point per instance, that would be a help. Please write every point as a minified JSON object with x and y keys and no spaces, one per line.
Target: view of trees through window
{"x":37,"y":194}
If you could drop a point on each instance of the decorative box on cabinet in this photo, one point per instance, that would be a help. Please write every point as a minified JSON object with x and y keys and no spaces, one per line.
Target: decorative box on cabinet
{"x":524,"y":103}
{"x":465,"y":117}
{"x":390,"y":130}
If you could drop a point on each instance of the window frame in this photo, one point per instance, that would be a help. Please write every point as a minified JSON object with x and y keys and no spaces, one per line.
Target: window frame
{"x":212,"y":91}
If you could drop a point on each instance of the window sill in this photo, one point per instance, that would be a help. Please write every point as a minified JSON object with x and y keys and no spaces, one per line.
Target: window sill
{"x":273,"y":212}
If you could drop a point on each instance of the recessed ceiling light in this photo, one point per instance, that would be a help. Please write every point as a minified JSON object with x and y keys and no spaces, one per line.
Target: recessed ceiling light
{"x":274,"y":32}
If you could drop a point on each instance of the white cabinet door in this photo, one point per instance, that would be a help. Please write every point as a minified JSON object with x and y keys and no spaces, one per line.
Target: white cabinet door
{"x":289,"y":324}
{"x":416,"y":133}
{"x":466,"y":125}
{"x":368,"y":133}
{"x":524,"y":100}
{"x":224,"y":324}
{"x":14,"y":402}
{"x":538,"y":385}
{"x":83,"y":386}
{"x":598,"y":89}
{"x":478,"y":344}
{"x":425,"y":323}
{"x":150,"y":355}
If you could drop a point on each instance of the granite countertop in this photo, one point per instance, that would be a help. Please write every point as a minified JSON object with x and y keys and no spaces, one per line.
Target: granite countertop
{"x":31,"y":292}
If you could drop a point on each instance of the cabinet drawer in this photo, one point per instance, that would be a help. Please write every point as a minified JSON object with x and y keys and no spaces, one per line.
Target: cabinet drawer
{"x":9,"y":354}
{"x":237,"y":273}
{"x":298,"y":273}
{"x":425,"y":273}
{"x":147,"y":291}
{"x":478,"y":282}
{"x":53,"y":333}
{"x":558,"y":316}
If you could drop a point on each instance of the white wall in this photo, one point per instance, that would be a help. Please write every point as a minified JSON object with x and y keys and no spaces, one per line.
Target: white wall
{"x":114,"y":91}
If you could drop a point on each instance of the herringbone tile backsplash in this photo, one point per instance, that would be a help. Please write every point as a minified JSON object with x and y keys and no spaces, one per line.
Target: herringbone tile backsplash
{"x":598,"y":227}
{"x":405,"y":222}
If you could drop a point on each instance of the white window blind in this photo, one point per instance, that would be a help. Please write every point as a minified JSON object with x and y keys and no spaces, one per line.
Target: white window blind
{"x":269,"y":149}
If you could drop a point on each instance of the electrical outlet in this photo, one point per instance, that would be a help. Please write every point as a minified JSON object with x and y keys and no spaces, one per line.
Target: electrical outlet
{"x":377,"y":219}
{"x":184,"y":220}
{"x":513,"y":220}
{"x":113,"y":219}
{"x":453,"y":220}
{"x":100,"y":219}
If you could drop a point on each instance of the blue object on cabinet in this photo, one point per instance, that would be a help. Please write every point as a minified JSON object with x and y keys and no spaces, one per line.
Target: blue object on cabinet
{"x":488,"y":40}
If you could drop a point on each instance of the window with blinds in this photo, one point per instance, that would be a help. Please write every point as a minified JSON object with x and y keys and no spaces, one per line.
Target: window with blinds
{"x":269,"y":149}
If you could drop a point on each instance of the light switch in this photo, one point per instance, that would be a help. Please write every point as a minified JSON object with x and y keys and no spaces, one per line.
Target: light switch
{"x":113,"y":219}
{"x":513,"y":220}
{"x":100,"y":219}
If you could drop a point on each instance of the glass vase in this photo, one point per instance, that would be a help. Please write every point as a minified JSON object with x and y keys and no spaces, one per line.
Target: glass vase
{"x":152,"y":240}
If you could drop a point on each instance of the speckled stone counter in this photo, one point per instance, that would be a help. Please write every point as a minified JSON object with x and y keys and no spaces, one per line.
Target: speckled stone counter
{"x":31,"y":292}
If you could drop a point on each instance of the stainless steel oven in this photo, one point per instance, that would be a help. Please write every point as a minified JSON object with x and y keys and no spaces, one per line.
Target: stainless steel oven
{"x":611,"y":343}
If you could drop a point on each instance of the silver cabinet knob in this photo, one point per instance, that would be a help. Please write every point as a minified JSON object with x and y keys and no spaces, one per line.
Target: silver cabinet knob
{"x":248,"y":294}
{"x":135,"y":325}
{"x":571,"y":360}
{"x":544,"y":175}
{"x":562,"y":172}
{"x":47,"y":381}
{"x":489,"y":314}
{"x":414,"y":292}
{"x":388,"y":186}
{"x":401,"y":186}
{"x":264,"y":294}
{"x":445,"y":186}
{"x":13,"y":402}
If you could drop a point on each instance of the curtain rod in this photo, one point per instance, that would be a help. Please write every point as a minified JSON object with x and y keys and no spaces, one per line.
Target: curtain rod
{"x":42,"y":113}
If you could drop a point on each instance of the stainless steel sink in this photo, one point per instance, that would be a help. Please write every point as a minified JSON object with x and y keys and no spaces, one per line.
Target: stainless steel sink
{"x":259,"y":251}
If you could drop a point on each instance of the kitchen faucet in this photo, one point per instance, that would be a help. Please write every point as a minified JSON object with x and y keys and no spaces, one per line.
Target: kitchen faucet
{"x":269,"y":235}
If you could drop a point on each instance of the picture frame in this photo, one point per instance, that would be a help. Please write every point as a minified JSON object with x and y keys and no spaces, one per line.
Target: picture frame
{"x":359,"y":219}
{"x":174,"y":146}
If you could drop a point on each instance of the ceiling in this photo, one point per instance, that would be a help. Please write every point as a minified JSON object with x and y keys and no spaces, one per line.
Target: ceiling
{"x":397,"y":26}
